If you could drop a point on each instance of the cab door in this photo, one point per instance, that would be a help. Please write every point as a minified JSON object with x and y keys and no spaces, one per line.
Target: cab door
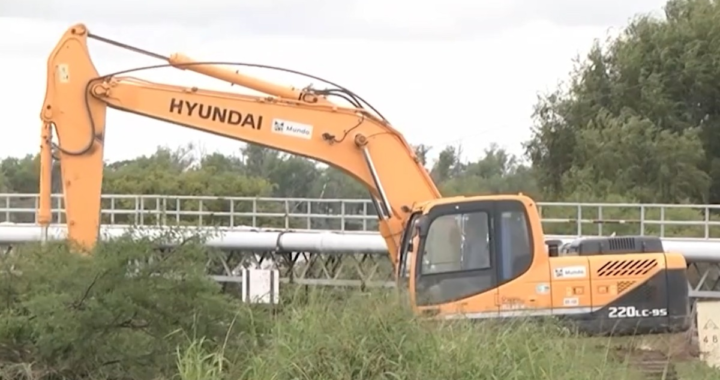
{"x":446,"y":278}
{"x":523,"y":280}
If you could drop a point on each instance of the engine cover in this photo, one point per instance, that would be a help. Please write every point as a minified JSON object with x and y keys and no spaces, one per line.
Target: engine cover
{"x":613,"y":245}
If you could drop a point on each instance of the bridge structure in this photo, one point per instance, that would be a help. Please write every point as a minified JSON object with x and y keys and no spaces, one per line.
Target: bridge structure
{"x":333,"y":242}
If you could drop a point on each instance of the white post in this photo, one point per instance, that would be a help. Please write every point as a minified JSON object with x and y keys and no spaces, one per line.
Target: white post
{"x":708,"y":325}
{"x":261,"y":286}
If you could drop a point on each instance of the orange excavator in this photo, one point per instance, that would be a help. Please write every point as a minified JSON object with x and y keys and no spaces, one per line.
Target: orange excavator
{"x":460,"y":257}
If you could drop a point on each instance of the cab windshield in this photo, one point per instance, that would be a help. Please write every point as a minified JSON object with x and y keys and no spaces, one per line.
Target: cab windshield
{"x":457,"y":243}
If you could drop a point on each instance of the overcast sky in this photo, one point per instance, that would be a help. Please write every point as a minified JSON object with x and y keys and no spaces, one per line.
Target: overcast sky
{"x":443,"y":72}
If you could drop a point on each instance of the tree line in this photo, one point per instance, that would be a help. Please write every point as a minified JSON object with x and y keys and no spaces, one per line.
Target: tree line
{"x":635,"y":121}
{"x":261,"y":172}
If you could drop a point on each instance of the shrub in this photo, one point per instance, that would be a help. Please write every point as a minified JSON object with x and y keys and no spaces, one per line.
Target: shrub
{"x":120,"y":313}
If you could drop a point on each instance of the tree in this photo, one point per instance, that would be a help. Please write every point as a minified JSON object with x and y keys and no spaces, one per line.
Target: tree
{"x":638,"y":117}
{"x":21,"y":173}
{"x":447,"y":166}
{"x":4,"y":186}
{"x":421,"y":151}
{"x":497,"y":172}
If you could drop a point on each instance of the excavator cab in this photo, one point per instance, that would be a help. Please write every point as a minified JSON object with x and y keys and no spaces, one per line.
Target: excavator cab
{"x":457,"y":248}
{"x":486,"y":257}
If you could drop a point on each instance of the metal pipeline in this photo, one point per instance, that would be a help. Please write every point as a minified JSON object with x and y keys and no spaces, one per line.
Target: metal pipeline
{"x":259,"y":239}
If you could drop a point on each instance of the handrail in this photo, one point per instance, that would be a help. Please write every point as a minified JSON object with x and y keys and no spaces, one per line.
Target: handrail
{"x":565,"y":218}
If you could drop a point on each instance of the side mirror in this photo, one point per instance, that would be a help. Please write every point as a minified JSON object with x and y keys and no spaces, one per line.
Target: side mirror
{"x":553,"y":247}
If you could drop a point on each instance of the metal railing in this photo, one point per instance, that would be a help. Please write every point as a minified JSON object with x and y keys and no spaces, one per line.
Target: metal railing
{"x":666,"y":220}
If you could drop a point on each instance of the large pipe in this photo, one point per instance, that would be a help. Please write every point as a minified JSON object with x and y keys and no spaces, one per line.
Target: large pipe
{"x":250,"y":238}
{"x":246,"y":238}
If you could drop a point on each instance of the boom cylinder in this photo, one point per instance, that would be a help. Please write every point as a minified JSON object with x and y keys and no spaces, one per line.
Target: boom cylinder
{"x":184,"y":62}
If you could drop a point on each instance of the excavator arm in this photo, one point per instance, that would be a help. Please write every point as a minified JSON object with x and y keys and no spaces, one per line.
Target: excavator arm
{"x":354,"y":140}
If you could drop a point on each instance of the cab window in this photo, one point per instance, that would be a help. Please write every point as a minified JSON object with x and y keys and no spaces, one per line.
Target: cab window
{"x":476,"y":241}
{"x":515,"y":244}
{"x":457,"y":243}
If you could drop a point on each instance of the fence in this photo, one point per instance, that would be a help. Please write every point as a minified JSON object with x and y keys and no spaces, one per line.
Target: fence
{"x":665,"y":220}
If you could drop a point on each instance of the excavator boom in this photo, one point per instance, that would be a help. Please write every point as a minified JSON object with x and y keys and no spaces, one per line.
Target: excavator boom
{"x":351,"y":139}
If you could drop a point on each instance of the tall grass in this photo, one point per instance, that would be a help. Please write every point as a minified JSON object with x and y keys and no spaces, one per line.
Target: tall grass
{"x":375,"y":336}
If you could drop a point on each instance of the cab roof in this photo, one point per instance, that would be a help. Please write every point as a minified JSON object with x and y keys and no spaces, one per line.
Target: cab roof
{"x":426,"y":206}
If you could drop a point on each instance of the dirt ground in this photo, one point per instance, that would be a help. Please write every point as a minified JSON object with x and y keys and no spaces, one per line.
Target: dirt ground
{"x":666,"y":356}
{"x":677,"y":347}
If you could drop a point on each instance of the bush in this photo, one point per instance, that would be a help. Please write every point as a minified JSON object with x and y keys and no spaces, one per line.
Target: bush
{"x":119,"y":314}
